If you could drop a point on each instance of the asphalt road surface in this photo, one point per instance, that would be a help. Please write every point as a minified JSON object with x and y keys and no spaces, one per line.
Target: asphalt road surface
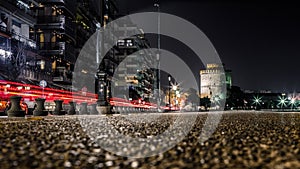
{"x":241,"y":140}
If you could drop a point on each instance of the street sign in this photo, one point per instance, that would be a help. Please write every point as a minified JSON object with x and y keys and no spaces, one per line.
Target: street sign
{"x":43,"y":83}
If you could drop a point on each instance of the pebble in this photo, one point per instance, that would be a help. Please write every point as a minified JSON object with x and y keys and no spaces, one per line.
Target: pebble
{"x":97,"y":150}
{"x":134,"y":164}
{"x":92,"y":159}
{"x":49,"y":152}
{"x":109,"y":163}
{"x":242,"y":140}
{"x":67,"y":164}
{"x":109,"y":157}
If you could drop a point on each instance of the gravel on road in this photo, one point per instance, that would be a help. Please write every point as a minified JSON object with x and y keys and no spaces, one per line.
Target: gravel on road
{"x":241,"y":140}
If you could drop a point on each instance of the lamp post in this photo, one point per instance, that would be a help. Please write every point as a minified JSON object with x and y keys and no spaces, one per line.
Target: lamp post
{"x":293,"y":102}
{"x":174,"y":87}
{"x":158,"y":54}
{"x":98,"y":27}
{"x":169,"y":78}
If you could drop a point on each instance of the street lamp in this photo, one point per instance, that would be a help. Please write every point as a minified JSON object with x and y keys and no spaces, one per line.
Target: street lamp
{"x":98,"y":27}
{"x":257,"y":100}
{"x":169,"y":78}
{"x":158,"y":26}
{"x":282,"y":101}
{"x":293,"y":103}
{"x":174,"y":88}
{"x":157,"y":55}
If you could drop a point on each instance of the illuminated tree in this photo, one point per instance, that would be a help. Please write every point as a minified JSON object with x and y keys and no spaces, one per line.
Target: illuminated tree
{"x":17,"y":61}
{"x":193,"y":96}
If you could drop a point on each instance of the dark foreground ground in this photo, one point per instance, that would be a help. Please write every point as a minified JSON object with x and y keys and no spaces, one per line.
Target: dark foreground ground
{"x":242,"y":140}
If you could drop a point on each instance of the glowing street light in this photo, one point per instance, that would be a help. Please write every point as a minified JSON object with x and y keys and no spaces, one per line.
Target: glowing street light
{"x":293,"y":102}
{"x":216,"y":99}
{"x":282,"y":101}
{"x":257,"y":100}
{"x":174,"y":87}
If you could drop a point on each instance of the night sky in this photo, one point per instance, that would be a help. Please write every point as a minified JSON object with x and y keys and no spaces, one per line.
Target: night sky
{"x":258,"y":40}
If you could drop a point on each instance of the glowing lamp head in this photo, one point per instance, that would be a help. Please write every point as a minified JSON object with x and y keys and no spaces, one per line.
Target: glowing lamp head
{"x":293,"y":101}
{"x":174,"y":87}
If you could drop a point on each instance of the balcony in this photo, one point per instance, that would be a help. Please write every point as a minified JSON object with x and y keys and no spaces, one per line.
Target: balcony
{"x":69,"y":5}
{"x":28,"y":43}
{"x":52,"y":1}
{"x":51,"y":19}
{"x":62,"y":23}
{"x":61,"y":79}
{"x":4,"y":32}
{"x":51,"y":48}
{"x":62,"y":2}
{"x":12,"y":7}
{"x":61,"y":75}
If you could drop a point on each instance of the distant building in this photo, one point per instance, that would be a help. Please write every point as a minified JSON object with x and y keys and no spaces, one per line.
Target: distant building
{"x":19,"y":59}
{"x":63,"y":27}
{"x":212,"y":81}
{"x":264,"y":100}
{"x":41,"y":39}
{"x":55,"y":33}
{"x":248,"y":91}
{"x":133,"y":78}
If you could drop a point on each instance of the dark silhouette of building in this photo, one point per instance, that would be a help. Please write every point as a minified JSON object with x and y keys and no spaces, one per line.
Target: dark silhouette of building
{"x":42,"y":39}
{"x":134,"y":77}
{"x":62,"y":29}
{"x":56,"y":36}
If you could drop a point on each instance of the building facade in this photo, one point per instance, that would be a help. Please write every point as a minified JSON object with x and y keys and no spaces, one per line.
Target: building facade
{"x":134,"y":75}
{"x":63,"y":27}
{"x":42,"y":39}
{"x":212,"y":82}
{"x":18,"y":48}
{"x":55,"y":34}
{"x":125,"y":71}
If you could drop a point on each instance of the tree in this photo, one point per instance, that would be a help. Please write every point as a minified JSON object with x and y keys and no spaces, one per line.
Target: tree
{"x":17,"y":60}
{"x":205,"y":102}
{"x":235,"y":99}
{"x":193,"y":97}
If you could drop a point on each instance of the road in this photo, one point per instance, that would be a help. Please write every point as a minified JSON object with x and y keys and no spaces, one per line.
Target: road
{"x":241,"y":140}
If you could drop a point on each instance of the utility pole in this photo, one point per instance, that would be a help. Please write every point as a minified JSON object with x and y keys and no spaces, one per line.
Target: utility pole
{"x":169,"y":79}
{"x":157,"y":5}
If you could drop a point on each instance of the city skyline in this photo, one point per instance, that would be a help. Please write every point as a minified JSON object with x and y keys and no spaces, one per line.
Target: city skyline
{"x":94,"y":84}
{"x":256,"y":40}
